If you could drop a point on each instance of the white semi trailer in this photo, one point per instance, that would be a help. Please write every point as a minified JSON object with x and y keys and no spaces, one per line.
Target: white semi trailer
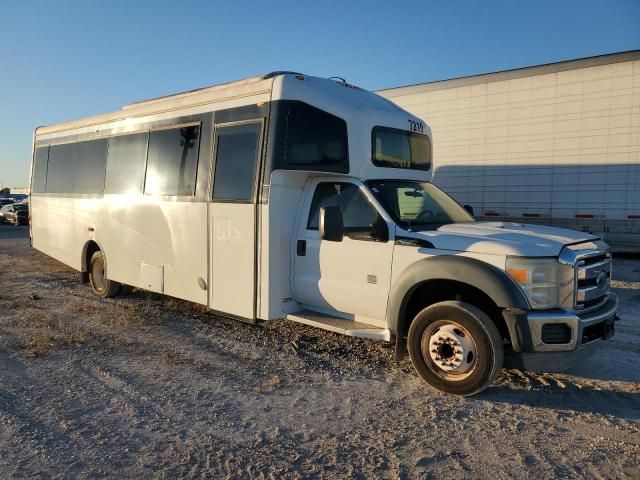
{"x":286,"y":196}
{"x":555,"y":144}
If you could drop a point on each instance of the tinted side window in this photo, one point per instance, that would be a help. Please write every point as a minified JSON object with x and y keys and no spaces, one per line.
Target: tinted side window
{"x":236,"y":159}
{"x":126,"y":163}
{"x":357,"y":212}
{"x":77,"y":167}
{"x":39,"y":180}
{"x":396,"y":148}
{"x":61,"y":165}
{"x":314,"y":137}
{"x":91,"y":158}
{"x":172,"y":161}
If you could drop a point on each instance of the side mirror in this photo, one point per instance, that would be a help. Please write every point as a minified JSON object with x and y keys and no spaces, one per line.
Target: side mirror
{"x":331,"y":226}
{"x":381,"y":230}
{"x":469,"y":209}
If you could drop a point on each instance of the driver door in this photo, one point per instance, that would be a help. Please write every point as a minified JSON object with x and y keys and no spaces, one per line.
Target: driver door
{"x":351,"y":277}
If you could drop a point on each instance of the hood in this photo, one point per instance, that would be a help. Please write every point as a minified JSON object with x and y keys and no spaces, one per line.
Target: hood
{"x":504,"y":238}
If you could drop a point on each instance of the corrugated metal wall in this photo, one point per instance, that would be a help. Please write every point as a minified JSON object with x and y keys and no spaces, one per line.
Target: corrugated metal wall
{"x":563,"y":144}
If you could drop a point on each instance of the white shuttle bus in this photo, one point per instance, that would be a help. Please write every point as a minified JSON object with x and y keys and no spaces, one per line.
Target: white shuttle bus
{"x":286,"y":196}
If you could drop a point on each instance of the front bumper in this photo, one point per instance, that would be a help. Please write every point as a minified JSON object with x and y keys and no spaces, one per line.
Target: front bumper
{"x":584,"y":332}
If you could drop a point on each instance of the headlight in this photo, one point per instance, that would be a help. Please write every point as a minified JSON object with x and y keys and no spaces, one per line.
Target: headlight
{"x":546,"y":282}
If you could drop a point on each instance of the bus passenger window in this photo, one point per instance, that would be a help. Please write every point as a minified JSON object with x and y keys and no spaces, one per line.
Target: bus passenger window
{"x":236,"y":158}
{"x":172,"y":161}
{"x":89,"y":171}
{"x":61,"y":166}
{"x":39,"y":179}
{"x":126,"y":162}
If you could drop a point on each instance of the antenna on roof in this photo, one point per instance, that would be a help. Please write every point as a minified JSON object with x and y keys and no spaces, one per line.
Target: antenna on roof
{"x":338,"y":79}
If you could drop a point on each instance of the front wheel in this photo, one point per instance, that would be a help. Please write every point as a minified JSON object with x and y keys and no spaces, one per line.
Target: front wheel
{"x":100,"y":284}
{"x":455,"y":347}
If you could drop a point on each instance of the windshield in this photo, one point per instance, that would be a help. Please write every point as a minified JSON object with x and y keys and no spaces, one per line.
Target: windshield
{"x":401,"y":149}
{"x":418,"y":205}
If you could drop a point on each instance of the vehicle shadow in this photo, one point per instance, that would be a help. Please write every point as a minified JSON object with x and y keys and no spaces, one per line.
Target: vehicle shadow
{"x":563,"y":393}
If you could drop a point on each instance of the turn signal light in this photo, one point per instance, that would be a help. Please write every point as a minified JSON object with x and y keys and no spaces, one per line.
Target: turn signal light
{"x":520,"y":275}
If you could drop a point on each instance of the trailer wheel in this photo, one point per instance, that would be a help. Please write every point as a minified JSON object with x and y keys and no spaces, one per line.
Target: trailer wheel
{"x":100,"y":284}
{"x":455,"y":347}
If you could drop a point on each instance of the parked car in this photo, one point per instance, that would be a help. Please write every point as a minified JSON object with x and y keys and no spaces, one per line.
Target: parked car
{"x":16,"y":213}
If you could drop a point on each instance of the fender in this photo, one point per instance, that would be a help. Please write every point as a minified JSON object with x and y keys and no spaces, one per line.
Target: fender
{"x":483,"y":276}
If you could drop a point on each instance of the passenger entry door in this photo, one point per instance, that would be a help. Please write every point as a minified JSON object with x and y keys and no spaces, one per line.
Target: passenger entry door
{"x":232,"y":220}
{"x":351,"y":277}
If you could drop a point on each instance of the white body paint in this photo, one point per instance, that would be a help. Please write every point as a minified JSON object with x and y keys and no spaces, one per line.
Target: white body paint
{"x":246,"y":253}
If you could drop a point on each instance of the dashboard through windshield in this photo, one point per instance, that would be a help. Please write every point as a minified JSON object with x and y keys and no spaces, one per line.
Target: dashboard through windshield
{"x":418,"y":205}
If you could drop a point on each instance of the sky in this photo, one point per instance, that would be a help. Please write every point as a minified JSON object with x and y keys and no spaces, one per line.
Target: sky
{"x":62,"y":60}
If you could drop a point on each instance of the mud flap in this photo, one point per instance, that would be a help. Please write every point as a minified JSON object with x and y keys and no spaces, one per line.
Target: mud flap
{"x":401,"y":349}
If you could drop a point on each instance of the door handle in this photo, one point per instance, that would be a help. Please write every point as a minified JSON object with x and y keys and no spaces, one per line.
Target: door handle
{"x":301,"y":248}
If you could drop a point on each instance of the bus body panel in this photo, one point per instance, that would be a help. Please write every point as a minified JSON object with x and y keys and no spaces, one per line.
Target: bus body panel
{"x":232,"y":284}
{"x":129,"y":231}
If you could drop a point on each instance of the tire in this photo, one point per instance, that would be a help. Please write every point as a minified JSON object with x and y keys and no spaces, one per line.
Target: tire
{"x":101,"y":286}
{"x":455,"y":348}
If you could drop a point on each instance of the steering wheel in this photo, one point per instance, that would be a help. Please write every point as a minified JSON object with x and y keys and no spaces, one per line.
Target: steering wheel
{"x":442,"y":217}
{"x":424,"y":216}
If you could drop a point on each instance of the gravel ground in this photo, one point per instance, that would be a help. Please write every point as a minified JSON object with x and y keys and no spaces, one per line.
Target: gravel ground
{"x":148,"y":386}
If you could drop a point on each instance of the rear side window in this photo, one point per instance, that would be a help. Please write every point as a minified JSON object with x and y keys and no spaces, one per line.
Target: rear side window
{"x":397,"y":148}
{"x":172,"y":161}
{"x":314,"y":138}
{"x":126,"y":163}
{"x":91,"y":159}
{"x":62,"y":159}
{"x":77,"y":167}
{"x":39,"y":178}
{"x":236,"y":160}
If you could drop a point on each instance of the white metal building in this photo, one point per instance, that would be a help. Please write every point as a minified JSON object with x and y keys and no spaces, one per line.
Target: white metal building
{"x":556,"y":144}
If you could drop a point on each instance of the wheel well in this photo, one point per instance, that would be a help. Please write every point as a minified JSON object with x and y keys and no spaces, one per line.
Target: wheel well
{"x":90,"y":248}
{"x":435,"y":291}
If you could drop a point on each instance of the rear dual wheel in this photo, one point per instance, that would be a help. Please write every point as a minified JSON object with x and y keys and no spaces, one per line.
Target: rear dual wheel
{"x":455,"y":347}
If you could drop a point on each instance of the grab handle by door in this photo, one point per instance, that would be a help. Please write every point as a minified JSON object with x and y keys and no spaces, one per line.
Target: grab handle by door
{"x":301,"y":248}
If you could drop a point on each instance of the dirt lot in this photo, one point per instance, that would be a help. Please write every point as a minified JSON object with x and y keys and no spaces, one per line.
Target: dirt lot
{"x":144,"y":385}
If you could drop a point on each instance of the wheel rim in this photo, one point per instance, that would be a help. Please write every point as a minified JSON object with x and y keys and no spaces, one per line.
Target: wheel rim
{"x":449,"y":350}
{"x":97,"y":275}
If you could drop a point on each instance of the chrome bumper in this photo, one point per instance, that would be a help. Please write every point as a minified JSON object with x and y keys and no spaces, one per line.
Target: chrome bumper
{"x":577,"y":324}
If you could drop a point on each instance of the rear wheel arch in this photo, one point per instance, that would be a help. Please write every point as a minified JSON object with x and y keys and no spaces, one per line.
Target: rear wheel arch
{"x":90,"y":247}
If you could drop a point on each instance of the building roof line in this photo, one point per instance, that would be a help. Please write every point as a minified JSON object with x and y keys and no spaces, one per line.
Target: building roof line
{"x":520,"y":72}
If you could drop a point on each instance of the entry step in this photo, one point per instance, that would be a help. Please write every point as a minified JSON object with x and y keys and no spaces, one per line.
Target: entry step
{"x":339,"y":325}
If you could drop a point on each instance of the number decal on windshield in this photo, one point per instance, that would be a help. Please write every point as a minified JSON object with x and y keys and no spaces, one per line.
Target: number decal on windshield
{"x":416,"y":126}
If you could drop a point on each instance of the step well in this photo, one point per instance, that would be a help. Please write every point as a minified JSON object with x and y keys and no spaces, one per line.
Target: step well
{"x":339,"y":325}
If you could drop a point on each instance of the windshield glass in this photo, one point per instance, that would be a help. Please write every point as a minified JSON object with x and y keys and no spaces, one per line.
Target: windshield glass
{"x":401,"y":149}
{"x":418,"y":205}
